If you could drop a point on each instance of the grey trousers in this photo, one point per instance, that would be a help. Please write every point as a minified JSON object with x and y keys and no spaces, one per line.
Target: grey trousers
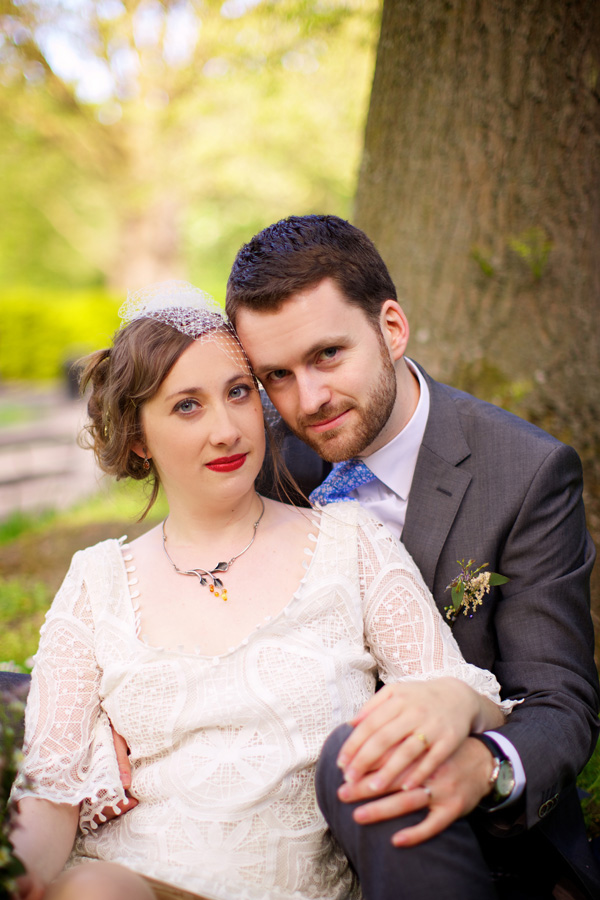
{"x":447,"y":867}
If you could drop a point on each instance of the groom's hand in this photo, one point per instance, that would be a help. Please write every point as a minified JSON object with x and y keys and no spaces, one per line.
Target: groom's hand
{"x":454,"y":790}
{"x":122,"y":751}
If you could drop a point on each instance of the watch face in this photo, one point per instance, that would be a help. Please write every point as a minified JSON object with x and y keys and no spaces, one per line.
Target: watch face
{"x":505,"y":781}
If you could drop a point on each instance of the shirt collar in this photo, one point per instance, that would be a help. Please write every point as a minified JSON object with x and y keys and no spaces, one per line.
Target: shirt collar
{"x":394,"y":464}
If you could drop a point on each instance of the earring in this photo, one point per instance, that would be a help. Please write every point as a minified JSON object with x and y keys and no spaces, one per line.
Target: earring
{"x":146,"y":463}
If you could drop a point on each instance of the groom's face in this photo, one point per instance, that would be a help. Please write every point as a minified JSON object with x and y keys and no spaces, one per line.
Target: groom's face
{"x":327,"y":369}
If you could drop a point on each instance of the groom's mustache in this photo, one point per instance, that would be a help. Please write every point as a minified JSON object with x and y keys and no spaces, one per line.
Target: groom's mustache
{"x":324,"y":414}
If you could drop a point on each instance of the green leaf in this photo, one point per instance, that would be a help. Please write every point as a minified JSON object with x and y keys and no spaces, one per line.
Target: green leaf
{"x":495,"y":579}
{"x":458,"y":592}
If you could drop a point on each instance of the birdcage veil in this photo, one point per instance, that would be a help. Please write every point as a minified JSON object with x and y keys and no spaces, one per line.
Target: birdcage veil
{"x":193,"y":312}
{"x":188,"y":310}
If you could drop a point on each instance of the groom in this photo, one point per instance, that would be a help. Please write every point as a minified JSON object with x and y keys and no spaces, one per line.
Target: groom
{"x":456,"y":479}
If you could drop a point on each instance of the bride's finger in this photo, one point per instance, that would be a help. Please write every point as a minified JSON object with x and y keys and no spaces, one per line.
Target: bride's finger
{"x":372,"y":753}
{"x":384,"y":695}
{"x":408,"y":755}
{"x":372,"y":738}
{"x":426,"y":765}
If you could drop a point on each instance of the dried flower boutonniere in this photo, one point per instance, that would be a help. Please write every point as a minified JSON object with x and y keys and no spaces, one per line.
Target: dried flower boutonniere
{"x":469,"y":588}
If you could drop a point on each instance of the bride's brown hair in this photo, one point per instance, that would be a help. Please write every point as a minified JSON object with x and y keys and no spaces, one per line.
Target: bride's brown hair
{"x":120,"y":380}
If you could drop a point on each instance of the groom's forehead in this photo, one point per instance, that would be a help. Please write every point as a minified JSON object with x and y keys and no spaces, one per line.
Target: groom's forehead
{"x":276,"y":341}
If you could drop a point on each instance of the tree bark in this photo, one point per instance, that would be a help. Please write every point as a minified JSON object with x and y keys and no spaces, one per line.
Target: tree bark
{"x":480,"y":185}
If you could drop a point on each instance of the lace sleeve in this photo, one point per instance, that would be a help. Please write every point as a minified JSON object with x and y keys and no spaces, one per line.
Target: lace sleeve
{"x":69,"y":753}
{"x":403,"y":627}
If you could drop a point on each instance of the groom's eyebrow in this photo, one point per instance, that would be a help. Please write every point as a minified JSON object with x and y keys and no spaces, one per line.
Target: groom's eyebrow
{"x":339,"y":340}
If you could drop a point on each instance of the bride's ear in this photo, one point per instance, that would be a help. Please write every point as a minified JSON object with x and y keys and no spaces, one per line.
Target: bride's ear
{"x":140,"y":450}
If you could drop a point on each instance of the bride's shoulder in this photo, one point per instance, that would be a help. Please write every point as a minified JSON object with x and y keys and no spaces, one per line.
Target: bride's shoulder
{"x":288,"y":521}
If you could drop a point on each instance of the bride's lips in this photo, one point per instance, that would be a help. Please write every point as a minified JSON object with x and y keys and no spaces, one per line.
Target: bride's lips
{"x":227,"y":463}
{"x":328,"y":424}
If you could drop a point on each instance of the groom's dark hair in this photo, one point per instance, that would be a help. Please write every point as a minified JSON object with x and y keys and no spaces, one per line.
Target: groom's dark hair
{"x":298,"y":253}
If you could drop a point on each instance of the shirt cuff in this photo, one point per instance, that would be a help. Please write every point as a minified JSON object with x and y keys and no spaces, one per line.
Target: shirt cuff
{"x":518,"y":770}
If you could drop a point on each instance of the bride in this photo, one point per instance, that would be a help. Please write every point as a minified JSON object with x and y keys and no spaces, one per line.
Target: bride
{"x":224,"y":645}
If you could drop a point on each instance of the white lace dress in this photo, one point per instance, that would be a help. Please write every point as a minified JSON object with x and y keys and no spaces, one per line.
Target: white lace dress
{"x":223,"y":749}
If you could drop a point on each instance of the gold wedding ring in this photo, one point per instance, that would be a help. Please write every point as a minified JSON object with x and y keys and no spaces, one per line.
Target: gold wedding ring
{"x":421,"y":737}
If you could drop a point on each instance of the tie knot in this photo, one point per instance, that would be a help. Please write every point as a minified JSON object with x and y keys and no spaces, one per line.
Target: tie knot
{"x":341,"y":481}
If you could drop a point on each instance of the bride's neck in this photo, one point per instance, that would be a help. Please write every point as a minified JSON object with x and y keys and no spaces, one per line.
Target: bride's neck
{"x":187,"y":525}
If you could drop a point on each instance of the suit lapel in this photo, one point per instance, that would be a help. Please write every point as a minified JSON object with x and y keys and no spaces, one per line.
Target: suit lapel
{"x":438,"y":486}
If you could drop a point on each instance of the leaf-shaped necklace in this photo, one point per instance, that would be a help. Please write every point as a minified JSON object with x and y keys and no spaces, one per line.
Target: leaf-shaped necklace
{"x":215,"y":585}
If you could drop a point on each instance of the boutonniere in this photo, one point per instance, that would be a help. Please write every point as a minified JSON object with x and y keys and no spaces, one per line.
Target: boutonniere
{"x":469,"y":588}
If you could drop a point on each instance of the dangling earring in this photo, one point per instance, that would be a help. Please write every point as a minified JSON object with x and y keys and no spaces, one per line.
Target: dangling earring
{"x":146,"y":463}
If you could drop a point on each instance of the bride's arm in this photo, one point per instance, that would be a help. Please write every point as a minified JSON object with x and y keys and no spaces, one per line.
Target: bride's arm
{"x":42,"y":838}
{"x":433,"y":698}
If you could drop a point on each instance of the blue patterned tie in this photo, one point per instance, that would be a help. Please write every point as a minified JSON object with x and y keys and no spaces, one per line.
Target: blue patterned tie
{"x":343,"y":478}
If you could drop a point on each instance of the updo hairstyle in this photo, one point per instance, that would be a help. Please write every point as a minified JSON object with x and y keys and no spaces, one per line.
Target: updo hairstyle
{"x":121,"y":379}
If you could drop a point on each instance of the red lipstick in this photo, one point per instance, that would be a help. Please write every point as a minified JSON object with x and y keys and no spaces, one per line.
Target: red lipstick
{"x":227,"y":463}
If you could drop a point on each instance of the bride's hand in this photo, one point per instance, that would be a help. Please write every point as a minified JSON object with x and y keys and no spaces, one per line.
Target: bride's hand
{"x":417,"y":724}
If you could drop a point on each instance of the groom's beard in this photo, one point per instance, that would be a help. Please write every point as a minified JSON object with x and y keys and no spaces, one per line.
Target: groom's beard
{"x":364,"y":424}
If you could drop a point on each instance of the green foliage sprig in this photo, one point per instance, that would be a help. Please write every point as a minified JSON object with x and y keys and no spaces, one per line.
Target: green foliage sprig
{"x":12,"y":707}
{"x":469,"y":588}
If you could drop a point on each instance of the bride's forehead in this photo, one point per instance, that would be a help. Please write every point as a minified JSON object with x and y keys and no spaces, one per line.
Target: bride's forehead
{"x":217,"y":351}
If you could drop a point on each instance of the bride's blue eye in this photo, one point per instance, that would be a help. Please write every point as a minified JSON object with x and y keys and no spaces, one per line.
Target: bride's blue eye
{"x":239,"y":391}
{"x":188,"y":405}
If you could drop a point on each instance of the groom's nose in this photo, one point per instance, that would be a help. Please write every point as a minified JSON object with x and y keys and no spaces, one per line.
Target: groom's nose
{"x":313,"y":392}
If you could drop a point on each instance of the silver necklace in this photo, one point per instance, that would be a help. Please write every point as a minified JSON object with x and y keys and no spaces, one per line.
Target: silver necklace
{"x":216,"y":585}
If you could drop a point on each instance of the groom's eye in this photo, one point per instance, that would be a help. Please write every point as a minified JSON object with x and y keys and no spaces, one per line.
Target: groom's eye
{"x":277,"y":374}
{"x":329,"y":352}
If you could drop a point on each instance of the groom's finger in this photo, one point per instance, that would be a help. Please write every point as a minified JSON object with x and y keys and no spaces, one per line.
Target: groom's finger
{"x":392,"y":806}
{"x":437,"y":820}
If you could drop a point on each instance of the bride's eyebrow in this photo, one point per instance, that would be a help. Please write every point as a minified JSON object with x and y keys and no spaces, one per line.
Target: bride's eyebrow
{"x":191,"y":391}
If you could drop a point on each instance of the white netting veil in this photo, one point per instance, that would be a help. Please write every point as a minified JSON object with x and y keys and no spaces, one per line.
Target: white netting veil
{"x":176,"y":303}
{"x":186,"y":309}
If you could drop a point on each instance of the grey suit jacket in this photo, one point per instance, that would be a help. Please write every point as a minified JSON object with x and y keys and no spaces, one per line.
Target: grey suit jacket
{"x":492,"y":487}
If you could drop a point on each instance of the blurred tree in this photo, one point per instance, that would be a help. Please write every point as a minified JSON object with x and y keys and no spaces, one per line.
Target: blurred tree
{"x":148,"y":138}
{"x":480,"y":184}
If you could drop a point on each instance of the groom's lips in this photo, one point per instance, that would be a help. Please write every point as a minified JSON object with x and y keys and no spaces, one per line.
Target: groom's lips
{"x":329,"y":424}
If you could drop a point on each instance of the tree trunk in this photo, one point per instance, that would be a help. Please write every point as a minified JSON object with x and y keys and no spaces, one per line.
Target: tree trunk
{"x":480,"y":185}
{"x":148,"y":247}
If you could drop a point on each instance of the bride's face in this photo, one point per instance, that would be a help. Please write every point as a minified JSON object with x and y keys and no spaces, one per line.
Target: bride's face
{"x":204,"y":427}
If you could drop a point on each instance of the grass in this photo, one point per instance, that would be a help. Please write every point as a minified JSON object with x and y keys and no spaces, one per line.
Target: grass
{"x":22,"y":610}
{"x":34,"y":555}
{"x":15,"y":414}
{"x":23,"y":523}
{"x":120,"y":501}
{"x":589,"y":782}
{"x":35,"y":551}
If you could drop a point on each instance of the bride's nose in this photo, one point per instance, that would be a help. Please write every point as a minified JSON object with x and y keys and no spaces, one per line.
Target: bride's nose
{"x":224,"y":428}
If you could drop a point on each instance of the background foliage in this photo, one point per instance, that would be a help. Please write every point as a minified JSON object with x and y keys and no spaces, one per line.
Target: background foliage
{"x":143,"y":139}
{"x":44,"y":330}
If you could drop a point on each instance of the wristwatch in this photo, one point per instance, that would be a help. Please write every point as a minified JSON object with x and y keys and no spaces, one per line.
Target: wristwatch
{"x":502,"y":779}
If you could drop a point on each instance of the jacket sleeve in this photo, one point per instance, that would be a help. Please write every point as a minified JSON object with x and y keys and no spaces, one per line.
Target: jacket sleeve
{"x":544,"y":633}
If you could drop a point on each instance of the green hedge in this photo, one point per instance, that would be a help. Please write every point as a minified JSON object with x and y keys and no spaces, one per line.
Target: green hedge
{"x":41,"y":331}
